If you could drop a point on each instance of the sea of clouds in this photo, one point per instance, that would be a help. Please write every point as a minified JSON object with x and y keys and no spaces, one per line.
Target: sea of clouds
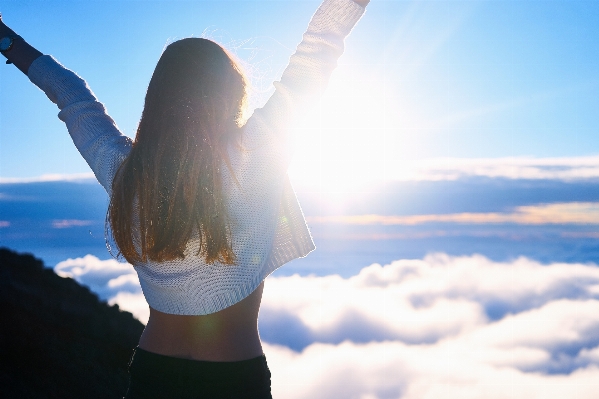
{"x":445,"y":325}
{"x":437,"y":327}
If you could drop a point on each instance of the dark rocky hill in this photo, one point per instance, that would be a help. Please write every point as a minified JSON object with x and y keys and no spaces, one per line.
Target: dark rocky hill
{"x":57,"y":339}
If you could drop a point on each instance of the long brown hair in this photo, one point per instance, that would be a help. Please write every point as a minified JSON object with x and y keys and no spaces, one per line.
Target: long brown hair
{"x":170,"y":186}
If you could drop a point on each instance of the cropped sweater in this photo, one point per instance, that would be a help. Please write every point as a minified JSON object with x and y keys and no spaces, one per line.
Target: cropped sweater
{"x":268,"y":228}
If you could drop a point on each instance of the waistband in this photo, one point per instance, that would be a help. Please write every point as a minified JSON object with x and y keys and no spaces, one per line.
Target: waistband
{"x":154,"y":376}
{"x":175,"y":364}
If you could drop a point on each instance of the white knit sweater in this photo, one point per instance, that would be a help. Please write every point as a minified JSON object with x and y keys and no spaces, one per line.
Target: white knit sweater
{"x":267,"y":225}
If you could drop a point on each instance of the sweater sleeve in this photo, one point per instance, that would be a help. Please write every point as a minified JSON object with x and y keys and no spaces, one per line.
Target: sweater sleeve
{"x":309,"y":68}
{"x":94,"y":133}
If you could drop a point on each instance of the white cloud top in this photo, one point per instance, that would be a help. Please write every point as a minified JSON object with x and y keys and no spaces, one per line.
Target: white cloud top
{"x":107,"y":278}
{"x":439,"y":327}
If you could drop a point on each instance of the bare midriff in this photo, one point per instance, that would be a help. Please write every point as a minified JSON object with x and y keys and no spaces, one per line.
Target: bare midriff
{"x":226,"y":336}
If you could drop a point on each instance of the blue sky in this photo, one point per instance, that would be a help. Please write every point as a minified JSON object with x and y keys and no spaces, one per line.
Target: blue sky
{"x":419,"y":79}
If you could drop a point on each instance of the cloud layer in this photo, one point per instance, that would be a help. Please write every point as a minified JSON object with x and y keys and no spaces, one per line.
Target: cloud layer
{"x":559,"y":168}
{"x":560,"y":213}
{"x":440,"y":169}
{"x":442,"y":326}
{"x":51,"y":177}
{"x":393,"y":370}
{"x":433,"y":169}
{"x":418,"y":301}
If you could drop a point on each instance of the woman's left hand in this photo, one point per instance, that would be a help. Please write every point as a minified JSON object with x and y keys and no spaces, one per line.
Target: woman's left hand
{"x":21,"y":53}
{"x":363,"y":3}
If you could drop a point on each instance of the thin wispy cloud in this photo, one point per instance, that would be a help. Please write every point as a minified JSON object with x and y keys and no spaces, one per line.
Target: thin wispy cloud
{"x":559,"y":168}
{"x":67,"y":223}
{"x":488,"y":110}
{"x":561,"y":213}
{"x":565,"y":169}
{"x":433,"y":169}
{"x":74,"y":177}
{"x":409,"y":29}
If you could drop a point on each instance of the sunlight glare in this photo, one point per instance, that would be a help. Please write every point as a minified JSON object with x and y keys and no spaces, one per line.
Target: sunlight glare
{"x":344,"y":142}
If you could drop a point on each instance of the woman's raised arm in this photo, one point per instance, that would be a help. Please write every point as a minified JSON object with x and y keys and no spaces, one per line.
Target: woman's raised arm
{"x":19,"y":52}
{"x":309,"y":68}
{"x":94,"y":133}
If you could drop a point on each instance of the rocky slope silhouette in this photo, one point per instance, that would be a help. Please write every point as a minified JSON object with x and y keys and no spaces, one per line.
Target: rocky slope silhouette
{"x":57,"y":339}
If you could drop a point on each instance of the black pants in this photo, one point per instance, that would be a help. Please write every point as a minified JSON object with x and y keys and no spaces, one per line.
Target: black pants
{"x":158,"y":376}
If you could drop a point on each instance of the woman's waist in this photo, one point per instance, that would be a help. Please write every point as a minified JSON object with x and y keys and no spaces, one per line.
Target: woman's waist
{"x":203,"y":342}
{"x":228,"y":335}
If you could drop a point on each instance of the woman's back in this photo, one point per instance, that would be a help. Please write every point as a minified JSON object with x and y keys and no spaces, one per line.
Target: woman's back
{"x":225,"y":336}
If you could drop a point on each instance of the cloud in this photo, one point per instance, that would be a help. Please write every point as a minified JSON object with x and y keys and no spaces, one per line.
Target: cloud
{"x":392,"y":370}
{"x":415,"y":301}
{"x":66,"y":223}
{"x":331,"y":174}
{"x":558,"y":168}
{"x":441,"y":326}
{"x":561,"y":213}
{"x":105,"y":277}
{"x":4,"y":223}
{"x":432,"y":169}
{"x":113,"y":281}
{"x":50,"y":177}
{"x":134,"y":303}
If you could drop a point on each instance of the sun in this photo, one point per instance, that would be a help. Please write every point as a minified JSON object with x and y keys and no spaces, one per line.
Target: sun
{"x":348,"y":140}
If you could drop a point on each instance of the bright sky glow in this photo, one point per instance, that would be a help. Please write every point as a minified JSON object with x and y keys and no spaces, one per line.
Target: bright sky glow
{"x":345,"y":140}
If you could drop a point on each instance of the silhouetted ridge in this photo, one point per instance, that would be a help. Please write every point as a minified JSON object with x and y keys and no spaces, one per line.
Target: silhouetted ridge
{"x":57,"y":339}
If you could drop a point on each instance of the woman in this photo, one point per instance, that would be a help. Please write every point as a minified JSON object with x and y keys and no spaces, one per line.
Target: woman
{"x":200,"y":202}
